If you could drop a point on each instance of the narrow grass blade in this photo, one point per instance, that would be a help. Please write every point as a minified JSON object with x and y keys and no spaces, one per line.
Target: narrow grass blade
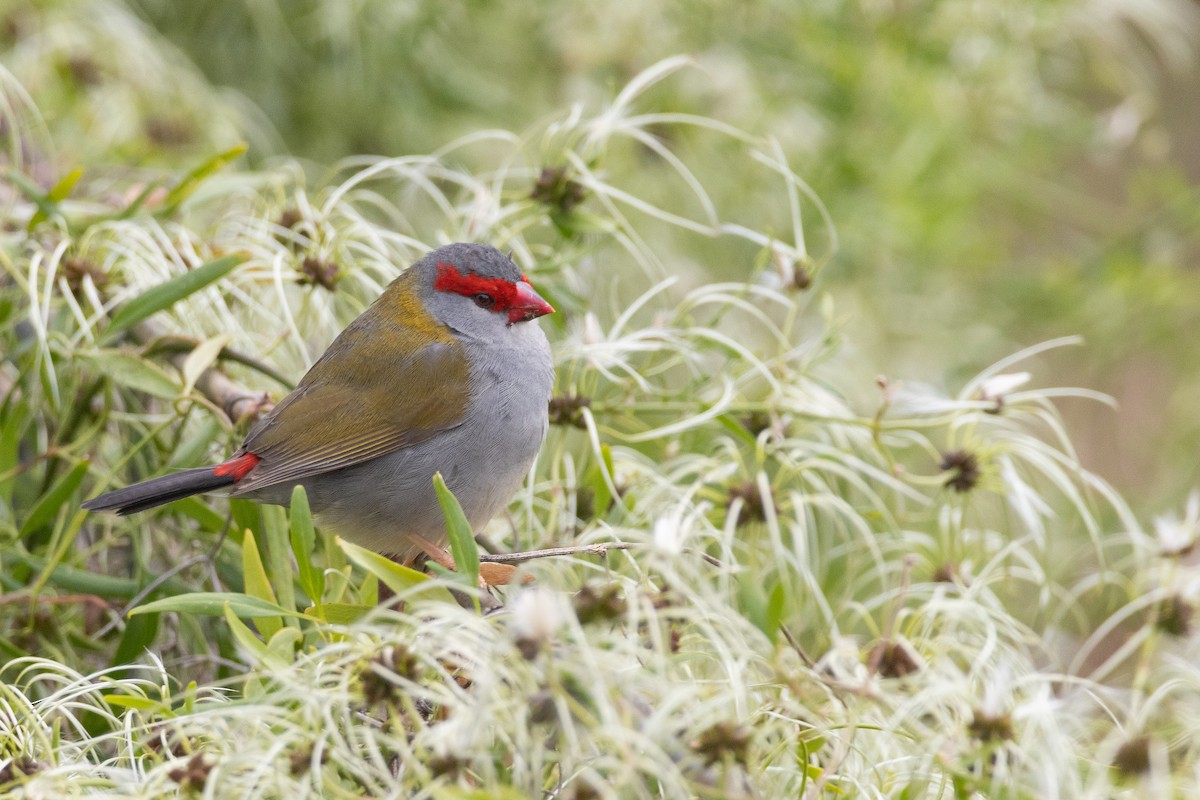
{"x":197,"y":176}
{"x":136,"y":373}
{"x":258,"y":585}
{"x":139,"y":634}
{"x":212,"y":604}
{"x":168,"y":294}
{"x":278,"y":550}
{"x":462,"y":538}
{"x":396,"y":577}
{"x":340,"y":613}
{"x":304,"y":542}
{"x":47,"y":507}
{"x":58,"y":192}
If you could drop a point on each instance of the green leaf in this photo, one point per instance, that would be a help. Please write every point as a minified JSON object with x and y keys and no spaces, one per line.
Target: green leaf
{"x":601,"y":481}
{"x":735,"y":427}
{"x":462,"y":538}
{"x":15,"y":419}
{"x":192,"y":449}
{"x":62,"y":190}
{"x":340,"y":613}
{"x":212,"y":604}
{"x":73,"y":579}
{"x":258,"y":585}
{"x":58,"y":192}
{"x":281,"y":648}
{"x":396,"y":577}
{"x":775,"y":611}
{"x":200,"y":511}
{"x":368,"y":590}
{"x":202,"y":357}
{"x":244,"y":636}
{"x":131,"y":701}
{"x":278,"y":549}
{"x":304,"y":543}
{"x":197,"y":176}
{"x":136,"y":373}
{"x":46,"y":207}
{"x":45,"y":510}
{"x":139,"y":634}
{"x":165,"y":295}
{"x":763,"y":611}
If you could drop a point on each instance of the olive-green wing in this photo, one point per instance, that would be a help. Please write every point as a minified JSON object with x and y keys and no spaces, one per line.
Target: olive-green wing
{"x":379,"y":387}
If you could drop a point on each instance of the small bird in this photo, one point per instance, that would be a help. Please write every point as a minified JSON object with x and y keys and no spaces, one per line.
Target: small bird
{"x":445,"y":372}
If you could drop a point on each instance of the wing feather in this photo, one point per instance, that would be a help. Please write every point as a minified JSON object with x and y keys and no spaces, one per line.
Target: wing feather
{"x":392,"y":379}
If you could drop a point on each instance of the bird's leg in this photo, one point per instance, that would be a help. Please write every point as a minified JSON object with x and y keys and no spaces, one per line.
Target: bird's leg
{"x":437,"y":555}
{"x":489,"y":574}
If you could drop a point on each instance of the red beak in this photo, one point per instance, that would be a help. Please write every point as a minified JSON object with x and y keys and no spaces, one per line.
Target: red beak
{"x":528,"y":304}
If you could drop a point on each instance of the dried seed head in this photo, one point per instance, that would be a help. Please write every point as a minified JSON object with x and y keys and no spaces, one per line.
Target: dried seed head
{"x":753,"y":506}
{"x":315,"y":272}
{"x":599,"y":603}
{"x":1177,"y":536}
{"x":194,"y":773}
{"x":19,"y":767}
{"x":446,"y":765}
{"x":1175,"y":615}
{"x":964,"y":466}
{"x":801,"y":279}
{"x":167,"y":131}
{"x":1133,"y":757}
{"x":756,"y":422}
{"x":300,"y":760}
{"x":894,"y":659}
{"x":75,"y":270}
{"x":379,"y":676}
{"x":997,"y":388}
{"x":536,"y":617}
{"x":84,"y":70}
{"x":990,"y":727}
{"x":581,"y":789}
{"x":567,"y":409}
{"x":289,"y":218}
{"x":722,"y":740}
{"x":556,"y":188}
{"x":541,"y":706}
{"x":166,"y":739}
{"x":949,"y":572}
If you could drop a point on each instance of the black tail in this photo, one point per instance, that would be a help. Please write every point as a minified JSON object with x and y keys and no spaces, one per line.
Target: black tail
{"x":158,"y":491}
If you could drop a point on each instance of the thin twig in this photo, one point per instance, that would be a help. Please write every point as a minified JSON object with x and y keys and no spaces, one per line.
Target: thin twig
{"x":173,"y":344}
{"x":598,"y":549}
{"x":56,"y":599}
{"x":236,"y":400}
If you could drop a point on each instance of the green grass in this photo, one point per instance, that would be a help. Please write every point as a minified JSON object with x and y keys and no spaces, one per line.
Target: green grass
{"x":827,"y":587}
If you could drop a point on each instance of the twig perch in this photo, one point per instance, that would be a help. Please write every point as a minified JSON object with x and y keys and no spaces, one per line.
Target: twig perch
{"x":598,"y":549}
{"x":238,"y":402}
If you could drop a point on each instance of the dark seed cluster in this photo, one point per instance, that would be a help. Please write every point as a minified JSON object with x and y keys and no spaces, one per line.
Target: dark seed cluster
{"x":964,"y":468}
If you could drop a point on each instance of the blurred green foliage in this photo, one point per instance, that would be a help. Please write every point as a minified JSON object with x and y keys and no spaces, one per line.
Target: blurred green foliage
{"x":999,"y":173}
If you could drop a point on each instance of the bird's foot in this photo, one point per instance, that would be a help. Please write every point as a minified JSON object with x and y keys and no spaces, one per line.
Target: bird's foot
{"x":489,"y":574}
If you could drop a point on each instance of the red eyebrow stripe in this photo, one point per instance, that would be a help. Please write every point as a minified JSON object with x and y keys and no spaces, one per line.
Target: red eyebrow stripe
{"x":449,"y":279}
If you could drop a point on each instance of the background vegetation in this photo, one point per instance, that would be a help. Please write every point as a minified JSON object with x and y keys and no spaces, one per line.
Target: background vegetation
{"x":927,"y":583}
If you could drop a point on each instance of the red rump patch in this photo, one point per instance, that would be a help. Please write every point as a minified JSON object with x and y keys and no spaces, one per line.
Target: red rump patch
{"x":449,"y":279}
{"x":237,"y":468}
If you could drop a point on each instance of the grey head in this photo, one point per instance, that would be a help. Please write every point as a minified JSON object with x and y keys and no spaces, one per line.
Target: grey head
{"x":477,"y":291}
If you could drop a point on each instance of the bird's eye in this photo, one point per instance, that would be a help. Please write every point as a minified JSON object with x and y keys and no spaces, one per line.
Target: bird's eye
{"x":484,"y":300}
